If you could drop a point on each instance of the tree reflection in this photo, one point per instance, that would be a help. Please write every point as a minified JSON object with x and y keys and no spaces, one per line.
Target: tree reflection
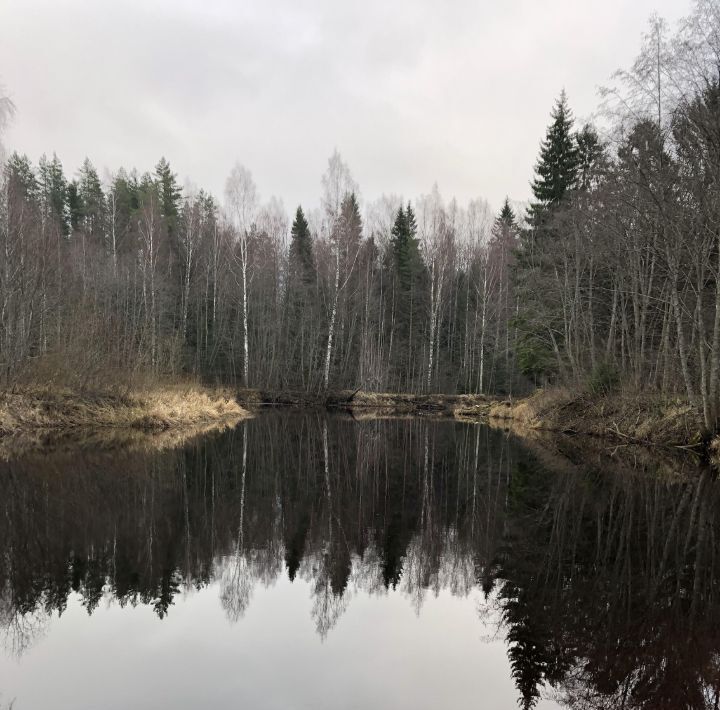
{"x":604,"y":574}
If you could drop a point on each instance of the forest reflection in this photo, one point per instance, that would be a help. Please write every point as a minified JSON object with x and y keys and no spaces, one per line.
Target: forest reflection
{"x":604,"y":574}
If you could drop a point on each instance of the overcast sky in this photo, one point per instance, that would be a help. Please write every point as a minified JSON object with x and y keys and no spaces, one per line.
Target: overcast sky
{"x":414,"y":92}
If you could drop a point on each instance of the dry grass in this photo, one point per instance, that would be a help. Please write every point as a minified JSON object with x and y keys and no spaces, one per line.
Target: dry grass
{"x":155,"y":409}
{"x":640,"y":418}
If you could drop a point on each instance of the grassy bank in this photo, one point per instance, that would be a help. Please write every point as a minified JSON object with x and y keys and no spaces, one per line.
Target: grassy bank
{"x":155,"y":409}
{"x":637,"y":418}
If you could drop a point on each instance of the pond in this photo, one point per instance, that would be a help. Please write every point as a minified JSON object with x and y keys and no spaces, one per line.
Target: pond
{"x":312,"y":561}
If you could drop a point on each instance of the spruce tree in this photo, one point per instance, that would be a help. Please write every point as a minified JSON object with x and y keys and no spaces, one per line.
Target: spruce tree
{"x":53,"y":193}
{"x":507,"y":216}
{"x":407,"y":272}
{"x":405,"y":247}
{"x":590,"y":153}
{"x":169,"y":193}
{"x":74,"y":205}
{"x":557,"y":166}
{"x":21,"y":177}
{"x":302,"y":264}
{"x":301,"y":301}
{"x":92,"y":200}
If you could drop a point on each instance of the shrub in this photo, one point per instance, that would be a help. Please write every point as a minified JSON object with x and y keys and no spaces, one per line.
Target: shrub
{"x":604,"y":378}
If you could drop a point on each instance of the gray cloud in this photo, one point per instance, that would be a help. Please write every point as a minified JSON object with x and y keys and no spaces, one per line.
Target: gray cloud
{"x":410,"y":92}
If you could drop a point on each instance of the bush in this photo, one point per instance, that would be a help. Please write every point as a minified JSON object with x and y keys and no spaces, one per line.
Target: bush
{"x":604,"y":378}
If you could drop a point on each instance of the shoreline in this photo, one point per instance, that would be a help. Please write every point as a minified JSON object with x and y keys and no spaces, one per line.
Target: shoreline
{"x":39,"y":416}
{"x":648,"y":420}
{"x":652,"y":421}
{"x":42,"y":416}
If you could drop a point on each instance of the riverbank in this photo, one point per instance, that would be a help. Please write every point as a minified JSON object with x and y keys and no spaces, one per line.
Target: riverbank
{"x":33,"y":410}
{"x":645,"y":419}
{"x":363,"y":403}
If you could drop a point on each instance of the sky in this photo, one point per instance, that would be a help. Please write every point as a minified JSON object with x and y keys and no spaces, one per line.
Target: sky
{"x":412,"y":92}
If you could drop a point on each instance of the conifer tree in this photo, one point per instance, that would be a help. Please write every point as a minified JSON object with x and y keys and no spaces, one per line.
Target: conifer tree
{"x":407,"y":268}
{"x":507,"y":215}
{"x":405,"y":247}
{"x":169,"y":193}
{"x":53,"y":190}
{"x":92,"y":201}
{"x":74,"y":205}
{"x":557,"y":166}
{"x":302,"y":263}
{"x":21,"y":177}
{"x":590,"y":152}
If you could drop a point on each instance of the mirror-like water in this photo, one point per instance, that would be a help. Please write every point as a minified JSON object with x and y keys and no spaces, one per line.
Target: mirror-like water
{"x":309,"y":562}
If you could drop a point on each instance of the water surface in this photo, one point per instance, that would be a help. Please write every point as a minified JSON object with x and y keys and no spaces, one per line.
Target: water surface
{"x":300,"y":561}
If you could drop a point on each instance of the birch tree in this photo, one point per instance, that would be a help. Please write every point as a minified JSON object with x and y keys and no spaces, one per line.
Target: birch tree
{"x":338,"y":186}
{"x":241,"y":198}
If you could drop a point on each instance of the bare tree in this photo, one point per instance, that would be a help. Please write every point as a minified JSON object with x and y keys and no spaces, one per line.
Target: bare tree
{"x":241,"y":199}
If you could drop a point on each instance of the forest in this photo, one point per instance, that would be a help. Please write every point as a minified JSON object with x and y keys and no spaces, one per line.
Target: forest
{"x":608,"y":278}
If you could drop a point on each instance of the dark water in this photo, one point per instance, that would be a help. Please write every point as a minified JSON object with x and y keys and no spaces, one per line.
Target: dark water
{"x":303,"y":562}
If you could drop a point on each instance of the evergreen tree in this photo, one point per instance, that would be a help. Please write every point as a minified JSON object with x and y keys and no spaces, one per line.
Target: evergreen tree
{"x":92,"y":201}
{"x":408,"y":303}
{"x":123,"y":203}
{"x":301,"y":301}
{"x":405,"y":247}
{"x":302,"y":263}
{"x":52,"y":192}
{"x":21,"y":177}
{"x":351,"y":222}
{"x":74,"y":204}
{"x":590,"y":152}
{"x":557,"y":167}
{"x":169,"y":193}
{"x":506,"y":218}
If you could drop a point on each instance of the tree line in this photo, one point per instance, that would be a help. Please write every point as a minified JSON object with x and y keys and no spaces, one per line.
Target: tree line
{"x":618,"y":269}
{"x":610,"y":276}
{"x":136,"y":275}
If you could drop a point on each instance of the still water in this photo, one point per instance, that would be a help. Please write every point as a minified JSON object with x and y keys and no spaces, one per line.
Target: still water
{"x":300,"y":561}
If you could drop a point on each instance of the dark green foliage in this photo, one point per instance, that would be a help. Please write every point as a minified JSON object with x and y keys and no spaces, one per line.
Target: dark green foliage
{"x":557,"y":167}
{"x":169,"y":195}
{"x":534,"y":358}
{"x":21,"y":177}
{"x":74,"y":205}
{"x":92,"y":201}
{"x":52,"y":189}
{"x":123,"y":204}
{"x":351,"y":224}
{"x":302,"y":262}
{"x":604,"y":378}
{"x":590,"y":151}
{"x":407,"y":272}
{"x":405,"y":249}
{"x":506,"y":218}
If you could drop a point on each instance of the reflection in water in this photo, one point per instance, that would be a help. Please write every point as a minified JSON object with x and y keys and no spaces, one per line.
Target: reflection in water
{"x":604,"y":577}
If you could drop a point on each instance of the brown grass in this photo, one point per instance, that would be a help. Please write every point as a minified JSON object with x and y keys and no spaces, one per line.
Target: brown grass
{"x":640,"y":418}
{"x":155,"y":409}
